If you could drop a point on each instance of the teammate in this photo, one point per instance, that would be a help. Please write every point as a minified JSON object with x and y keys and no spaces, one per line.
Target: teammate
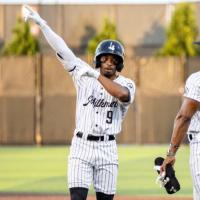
{"x":103,"y":98}
{"x":188,"y":121}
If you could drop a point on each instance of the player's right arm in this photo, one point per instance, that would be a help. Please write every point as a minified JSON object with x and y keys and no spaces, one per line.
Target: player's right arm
{"x":65,"y":55}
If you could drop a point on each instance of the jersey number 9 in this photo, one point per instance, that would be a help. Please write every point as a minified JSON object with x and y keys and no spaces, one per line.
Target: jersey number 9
{"x":109,"y":117}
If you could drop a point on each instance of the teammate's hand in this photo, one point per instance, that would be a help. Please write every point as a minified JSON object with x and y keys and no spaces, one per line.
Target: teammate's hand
{"x":168,"y":160}
{"x":29,"y":13}
{"x":166,"y":176}
{"x":88,"y":71}
{"x":161,"y":180}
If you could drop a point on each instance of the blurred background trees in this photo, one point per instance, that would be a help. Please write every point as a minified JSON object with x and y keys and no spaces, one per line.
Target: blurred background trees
{"x":108,"y":32}
{"x":181,"y":33}
{"x":22,"y":41}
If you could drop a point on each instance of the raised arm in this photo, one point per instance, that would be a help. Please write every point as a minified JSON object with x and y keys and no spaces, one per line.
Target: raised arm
{"x":54,"y":40}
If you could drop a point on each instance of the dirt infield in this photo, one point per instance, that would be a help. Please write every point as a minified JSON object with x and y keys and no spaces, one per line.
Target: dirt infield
{"x":47,"y":197}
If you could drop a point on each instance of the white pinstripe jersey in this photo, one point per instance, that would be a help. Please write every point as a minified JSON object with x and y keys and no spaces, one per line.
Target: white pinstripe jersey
{"x":97,"y":112}
{"x":192,"y":91}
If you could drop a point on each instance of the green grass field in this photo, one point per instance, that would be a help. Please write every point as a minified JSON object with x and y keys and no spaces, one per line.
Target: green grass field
{"x":30,"y":169}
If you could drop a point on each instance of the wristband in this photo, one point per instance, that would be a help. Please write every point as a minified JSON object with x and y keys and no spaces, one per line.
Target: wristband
{"x":170,"y":153}
{"x":174,"y":146}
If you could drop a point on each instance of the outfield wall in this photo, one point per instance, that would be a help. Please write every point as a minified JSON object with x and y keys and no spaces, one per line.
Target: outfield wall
{"x":37,"y":99}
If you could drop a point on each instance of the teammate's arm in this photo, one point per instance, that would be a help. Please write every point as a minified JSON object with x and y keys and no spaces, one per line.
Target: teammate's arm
{"x":115,"y":89}
{"x":181,"y":125}
{"x":182,"y":120}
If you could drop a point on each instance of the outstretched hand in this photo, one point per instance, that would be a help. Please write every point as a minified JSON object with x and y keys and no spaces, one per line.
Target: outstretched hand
{"x":29,"y":13}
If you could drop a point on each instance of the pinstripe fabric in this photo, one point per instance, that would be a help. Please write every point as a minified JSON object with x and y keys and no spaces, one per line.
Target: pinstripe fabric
{"x":96,"y":162}
{"x":97,"y":113}
{"x":192,"y":90}
{"x":195,"y":167}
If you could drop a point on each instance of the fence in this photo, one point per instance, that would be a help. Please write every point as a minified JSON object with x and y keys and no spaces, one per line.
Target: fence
{"x":37,"y":100}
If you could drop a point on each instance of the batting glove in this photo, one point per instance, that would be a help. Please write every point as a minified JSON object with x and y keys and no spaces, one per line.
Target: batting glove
{"x":162,"y":180}
{"x":29,"y":13}
{"x":167,"y":178}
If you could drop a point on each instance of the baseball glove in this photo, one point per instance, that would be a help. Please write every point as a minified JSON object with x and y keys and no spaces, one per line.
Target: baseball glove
{"x":168,"y":178}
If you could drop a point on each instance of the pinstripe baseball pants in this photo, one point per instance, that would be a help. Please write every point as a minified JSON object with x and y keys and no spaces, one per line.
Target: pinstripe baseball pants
{"x":195,"y":167}
{"x":93,"y":161}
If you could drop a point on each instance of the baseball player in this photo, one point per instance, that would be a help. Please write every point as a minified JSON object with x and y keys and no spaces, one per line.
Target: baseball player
{"x":103,"y":98}
{"x":188,"y":121}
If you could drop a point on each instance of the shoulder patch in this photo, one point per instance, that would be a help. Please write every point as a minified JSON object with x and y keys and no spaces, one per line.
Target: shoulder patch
{"x":130,"y":85}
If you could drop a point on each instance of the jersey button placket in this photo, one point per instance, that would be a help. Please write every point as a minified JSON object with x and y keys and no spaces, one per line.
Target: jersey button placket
{"x":101,"y":93}
{"x":97,"y":112}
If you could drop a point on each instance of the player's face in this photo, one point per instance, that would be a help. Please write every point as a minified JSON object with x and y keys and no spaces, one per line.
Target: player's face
{"x":108,"y":66}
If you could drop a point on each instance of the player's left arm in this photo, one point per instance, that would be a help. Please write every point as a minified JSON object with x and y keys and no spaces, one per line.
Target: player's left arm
{"x":123,"y":93}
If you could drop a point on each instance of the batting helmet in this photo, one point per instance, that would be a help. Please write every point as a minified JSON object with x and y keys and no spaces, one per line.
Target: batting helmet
{"x":112,"y":47}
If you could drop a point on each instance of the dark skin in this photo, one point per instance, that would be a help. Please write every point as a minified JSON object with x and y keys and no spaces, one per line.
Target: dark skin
{"x":181,"y":124}
{"x":108,"y":73}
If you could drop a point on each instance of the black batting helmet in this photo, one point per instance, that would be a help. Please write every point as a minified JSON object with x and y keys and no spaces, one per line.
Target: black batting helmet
{"x":112,"y":47}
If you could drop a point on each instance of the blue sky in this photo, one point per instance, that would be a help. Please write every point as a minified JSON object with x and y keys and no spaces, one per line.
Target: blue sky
{"x":93,"y":1}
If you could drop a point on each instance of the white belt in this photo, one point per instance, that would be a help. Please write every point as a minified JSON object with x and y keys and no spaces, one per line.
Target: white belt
{"x":193,"y":136}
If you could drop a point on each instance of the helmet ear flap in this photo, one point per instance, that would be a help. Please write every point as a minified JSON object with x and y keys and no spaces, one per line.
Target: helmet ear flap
{"x":97,"y":62}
